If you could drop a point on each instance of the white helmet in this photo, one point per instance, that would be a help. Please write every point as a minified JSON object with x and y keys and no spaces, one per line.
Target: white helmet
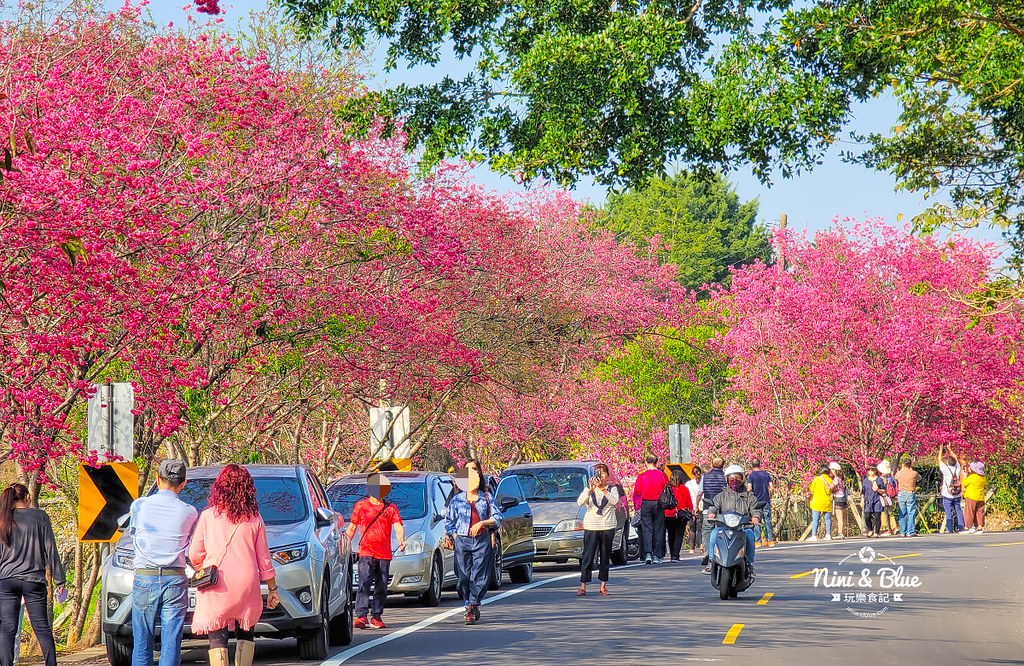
{"x":733,"y":469}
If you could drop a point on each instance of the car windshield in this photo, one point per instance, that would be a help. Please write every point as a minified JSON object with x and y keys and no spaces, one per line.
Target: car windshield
{"x":280,"y":499}
{"x":551,"y":483}
{"x":409,"y":498}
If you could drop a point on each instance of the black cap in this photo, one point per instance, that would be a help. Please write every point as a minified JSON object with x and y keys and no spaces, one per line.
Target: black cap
{"x":172,"y":470}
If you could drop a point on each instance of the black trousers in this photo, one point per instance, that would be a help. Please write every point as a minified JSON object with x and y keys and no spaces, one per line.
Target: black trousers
{"x":873,"y":521}
{"x":652,"y":517}
{"x":373,"y":573}
{"x":596,"y":543}
{"x":676,"y":530}
{"x":11,"y":592}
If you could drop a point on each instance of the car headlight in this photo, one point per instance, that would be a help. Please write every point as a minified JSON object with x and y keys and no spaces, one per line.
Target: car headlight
{"x":569,"y":526}
{"x":290,"y":554}
{"x":414,"y":545}
{"x":124,"y":559}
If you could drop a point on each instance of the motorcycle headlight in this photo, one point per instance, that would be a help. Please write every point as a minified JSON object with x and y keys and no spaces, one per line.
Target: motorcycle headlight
{"x":732,"y":520}
{"x":124,"y":559}
{"x":414,"y":545}
{"x":290,"y":554}
{"x":569,"y":526}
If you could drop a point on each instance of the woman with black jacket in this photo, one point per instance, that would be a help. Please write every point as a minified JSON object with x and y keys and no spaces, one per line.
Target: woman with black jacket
{"x":27,"y":549}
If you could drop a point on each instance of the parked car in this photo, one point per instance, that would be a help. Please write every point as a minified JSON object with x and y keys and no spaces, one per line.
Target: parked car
{"x":551,"y":488}
{"x":424,"y":568}
{"x":311,"y":555}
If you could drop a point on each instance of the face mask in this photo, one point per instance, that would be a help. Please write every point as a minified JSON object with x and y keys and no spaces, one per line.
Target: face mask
{"x":736,"y":484}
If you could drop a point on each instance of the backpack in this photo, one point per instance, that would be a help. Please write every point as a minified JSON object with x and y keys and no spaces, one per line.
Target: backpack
{"x":891,"y":489}
{"x":667,"y":501}
{"x":954,"y":482}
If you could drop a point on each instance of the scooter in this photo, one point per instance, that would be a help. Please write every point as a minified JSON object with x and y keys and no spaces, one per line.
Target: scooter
{"x":729,"y":571}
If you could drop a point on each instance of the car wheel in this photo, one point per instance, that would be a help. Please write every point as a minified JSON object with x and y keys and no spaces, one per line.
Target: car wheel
{"x":495,"y":582}
{"x":432,"y":595}
{"x":341,"y":629}
{"x":619,"y":557}
{"x":521,"y":574}
{"x":313,"y":644}
{"x":119,"y":653}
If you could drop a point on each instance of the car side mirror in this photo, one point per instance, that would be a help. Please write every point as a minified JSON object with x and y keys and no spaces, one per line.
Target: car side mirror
{"x":507,"y":502}
{"x":324,"y":516}
{"x":122,"y":522}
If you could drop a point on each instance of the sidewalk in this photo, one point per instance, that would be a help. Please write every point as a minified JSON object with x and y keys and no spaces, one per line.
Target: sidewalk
{"x":88,"y":656}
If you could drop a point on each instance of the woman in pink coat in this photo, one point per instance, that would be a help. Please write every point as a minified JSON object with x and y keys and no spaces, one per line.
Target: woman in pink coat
{"x":231,"y":535}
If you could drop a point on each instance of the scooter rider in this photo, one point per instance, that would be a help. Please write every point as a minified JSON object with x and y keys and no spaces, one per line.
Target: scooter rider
{"x":735,"y":498}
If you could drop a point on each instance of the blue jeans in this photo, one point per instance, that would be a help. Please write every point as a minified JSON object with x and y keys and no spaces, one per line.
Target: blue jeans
{"x":908,"y":511}
{"x":954,"y":514}
{"x":748,"y":553}
{"x":815,"y":517}
{"x":766,"y":523}
{"x":476,"y":559}
{"x":165,"y":597}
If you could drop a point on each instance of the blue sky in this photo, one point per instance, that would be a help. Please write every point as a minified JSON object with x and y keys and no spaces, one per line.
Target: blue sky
{"x":811,"y":200}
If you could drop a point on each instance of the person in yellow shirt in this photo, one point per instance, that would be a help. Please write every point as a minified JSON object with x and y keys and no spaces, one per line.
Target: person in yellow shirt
{"x":974,"y":498}
{"x":821,"y":503}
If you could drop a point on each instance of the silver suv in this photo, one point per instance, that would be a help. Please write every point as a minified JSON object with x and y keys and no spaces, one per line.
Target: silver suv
{"x":552,"y":487}
{"x":311,"y":556}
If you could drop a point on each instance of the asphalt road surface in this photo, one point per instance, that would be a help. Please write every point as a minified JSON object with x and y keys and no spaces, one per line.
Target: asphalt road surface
{"x":967,"y":607}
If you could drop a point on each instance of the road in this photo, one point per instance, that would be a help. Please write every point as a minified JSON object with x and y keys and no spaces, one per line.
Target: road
{"x":968,"y":608}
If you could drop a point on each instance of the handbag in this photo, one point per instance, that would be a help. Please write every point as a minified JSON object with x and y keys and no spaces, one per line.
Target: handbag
{"x":667,"y":501}
{"x":207,"y":577}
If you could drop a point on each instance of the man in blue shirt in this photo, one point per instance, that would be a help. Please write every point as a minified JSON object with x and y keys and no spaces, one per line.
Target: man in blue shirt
{"x":711,"y":484}
{"x":759,"y":482}
{"x":161,"y":527}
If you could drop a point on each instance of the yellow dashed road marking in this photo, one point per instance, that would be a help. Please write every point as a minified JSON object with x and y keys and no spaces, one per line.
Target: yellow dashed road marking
{"x":730,"y":637}
{"x":766,"y":598}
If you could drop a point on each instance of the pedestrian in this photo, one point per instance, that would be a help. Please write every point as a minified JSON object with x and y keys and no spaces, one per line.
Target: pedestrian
{"x":27,"y":549}
{"x":231,"y":536}
{"x":646,"y":493}
{"x":697,"y":522}
{"x":840,"y":498}
{"x":375,"y":517}
{"x":906,"y":483}
{"x":598,"y":528}
{"x":677,"y":518}
{"x":821,"y":503}
{"x":711,"y":484}
{"x":974,"y":497}
{"x":889,"y":524}
{"x":160,"y":526}
{"x":469,"y":519}
{"x":872,"y":490}
{"x":951,"y":490}
{"x":760,"y":483}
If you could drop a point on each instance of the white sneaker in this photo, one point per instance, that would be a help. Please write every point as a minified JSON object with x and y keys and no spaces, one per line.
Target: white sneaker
{"x":972,"y":530}
{"x":813,"y":537}
{"x":828,"y":538}
{"x":980,"y":532}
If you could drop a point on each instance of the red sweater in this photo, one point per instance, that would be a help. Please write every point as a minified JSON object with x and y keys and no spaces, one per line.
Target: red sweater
{"x":648,"y":486}
{"x":683,"y":501}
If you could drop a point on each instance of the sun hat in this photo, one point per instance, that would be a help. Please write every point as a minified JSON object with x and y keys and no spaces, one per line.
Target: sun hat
{"x":978,"y":467}
{"x":836,"y":466}
{"x":884,"y":467}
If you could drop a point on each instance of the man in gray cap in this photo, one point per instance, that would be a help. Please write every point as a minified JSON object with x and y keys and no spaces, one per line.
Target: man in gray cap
{"x":161,"y":527}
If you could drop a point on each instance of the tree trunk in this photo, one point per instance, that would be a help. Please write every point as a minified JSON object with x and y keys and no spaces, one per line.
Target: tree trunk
{"x":87,"y":589}
{"x":76,"y":595}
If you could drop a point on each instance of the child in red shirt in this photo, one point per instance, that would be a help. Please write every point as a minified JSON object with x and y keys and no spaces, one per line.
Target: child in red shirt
{"x":375,"y":517}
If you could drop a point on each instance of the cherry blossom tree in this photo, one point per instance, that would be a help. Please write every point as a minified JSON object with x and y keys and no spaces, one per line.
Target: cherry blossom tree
{"x":865,"y":344}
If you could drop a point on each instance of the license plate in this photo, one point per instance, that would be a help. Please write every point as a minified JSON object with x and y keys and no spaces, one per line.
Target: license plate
{"x":191,"y":599}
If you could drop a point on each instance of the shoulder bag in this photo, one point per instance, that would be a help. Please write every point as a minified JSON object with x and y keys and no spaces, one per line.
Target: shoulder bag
{"x":207,"y":577}
{"x":667,"y":500}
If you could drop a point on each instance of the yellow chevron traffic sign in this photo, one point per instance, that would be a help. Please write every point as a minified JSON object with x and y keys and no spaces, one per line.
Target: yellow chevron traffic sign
{"x":105,"y":493}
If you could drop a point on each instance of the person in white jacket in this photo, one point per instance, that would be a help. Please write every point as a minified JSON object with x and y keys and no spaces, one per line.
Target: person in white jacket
{"x":598,"y":528}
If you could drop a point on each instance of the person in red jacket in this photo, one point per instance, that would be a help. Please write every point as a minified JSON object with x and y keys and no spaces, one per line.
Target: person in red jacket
{"x":676,"y":519}
{"x":646,"y":492}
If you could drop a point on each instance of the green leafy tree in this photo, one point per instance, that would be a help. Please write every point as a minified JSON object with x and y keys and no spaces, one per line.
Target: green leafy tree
{"x":570,"y":88}
{"x":675,"y":377}
{"x":703,"y":227}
